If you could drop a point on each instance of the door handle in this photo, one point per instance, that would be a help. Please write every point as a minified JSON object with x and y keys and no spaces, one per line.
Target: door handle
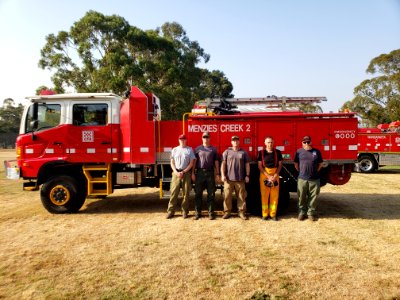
{"x":57,"y":143}
{"x":106,"y":143}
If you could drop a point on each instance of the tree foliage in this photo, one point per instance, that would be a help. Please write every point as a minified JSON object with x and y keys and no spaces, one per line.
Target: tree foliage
{"x":106,"y":54}
{"x":10,"y":116}
{"x":307,"y":107}
{"x":377,"y":100}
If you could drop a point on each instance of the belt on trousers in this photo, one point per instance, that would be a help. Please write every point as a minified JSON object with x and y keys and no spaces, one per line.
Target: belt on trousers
{"x":205,"y":170}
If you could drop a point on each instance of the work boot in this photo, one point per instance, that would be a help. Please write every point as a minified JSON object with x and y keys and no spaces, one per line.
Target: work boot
{"x":313,"y":218}
{"x":211,"y":216}
{"x":265,"y":218}
{"x":226,"y":216}
{"x":274,"y":218}
{"x":301,"y":217}
{"x":185,"y":214}
{"x":197,"y":216}
{"x":243,"y":216}
{"x":170,"y":215}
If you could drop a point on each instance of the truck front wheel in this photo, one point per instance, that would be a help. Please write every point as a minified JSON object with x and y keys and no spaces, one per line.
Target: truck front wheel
{"x":62,"y":194}
{"x":367,"y":164}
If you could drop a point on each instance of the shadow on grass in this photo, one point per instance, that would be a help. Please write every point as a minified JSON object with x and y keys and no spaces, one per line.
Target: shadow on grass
{"x":140,"y":203}
{"x":341,"y":206}
{"x":135,"y":203}
{"x":387,"y":170}
{"x":359,"y":206}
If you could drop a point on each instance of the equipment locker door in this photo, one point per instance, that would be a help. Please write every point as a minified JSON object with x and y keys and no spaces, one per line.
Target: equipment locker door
{"x":344,"y":139}
{"x":320,"y":133}
{"x":243,"y":129}
{"x":282,"y":133}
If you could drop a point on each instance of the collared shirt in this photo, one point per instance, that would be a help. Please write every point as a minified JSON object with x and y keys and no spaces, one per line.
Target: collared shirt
{"x":182,"y":156}
{"x":206,"y":157}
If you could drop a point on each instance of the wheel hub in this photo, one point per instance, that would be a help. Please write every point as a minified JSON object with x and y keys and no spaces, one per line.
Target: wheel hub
{"x":59,"y":195}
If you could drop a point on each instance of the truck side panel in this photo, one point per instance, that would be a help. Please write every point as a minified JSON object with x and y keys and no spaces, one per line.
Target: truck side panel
{"x":335,"y":137}
{"x":281,"y":131}
{"x":167,"y":134}
{"x":344,"y":139}
{"x":377,"y":148}
{"x":138,"y":145}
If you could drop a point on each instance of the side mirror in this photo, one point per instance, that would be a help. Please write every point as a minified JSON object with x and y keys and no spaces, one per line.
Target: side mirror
{"x":34,"y":124}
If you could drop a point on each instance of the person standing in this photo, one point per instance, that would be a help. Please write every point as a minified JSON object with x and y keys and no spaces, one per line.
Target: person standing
{"x":204,"y":175}
{"x":235,"y":172}
{"x":270,"y":164}
{"x":182,"y":161}
{"x":308,"y":162}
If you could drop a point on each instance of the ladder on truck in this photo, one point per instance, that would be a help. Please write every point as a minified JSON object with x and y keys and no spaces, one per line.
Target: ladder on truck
{"x":99,"y":179}
{"x":261,"y":104}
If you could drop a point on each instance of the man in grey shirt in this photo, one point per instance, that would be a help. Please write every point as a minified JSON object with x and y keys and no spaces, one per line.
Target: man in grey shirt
{"x":182,"y":161}
{"x":235,"y":172}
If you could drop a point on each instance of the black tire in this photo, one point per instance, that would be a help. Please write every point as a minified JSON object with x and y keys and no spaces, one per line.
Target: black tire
{"x":367,"y":164}
{"x":62,"y":194}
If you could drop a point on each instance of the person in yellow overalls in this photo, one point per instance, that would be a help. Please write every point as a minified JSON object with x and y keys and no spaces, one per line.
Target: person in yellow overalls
{"x":270,"y":164}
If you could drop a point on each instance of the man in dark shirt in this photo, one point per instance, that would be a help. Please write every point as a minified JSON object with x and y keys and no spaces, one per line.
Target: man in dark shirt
{"x":207,"y":168}
{"x":235,"y":172}
{"x":269,"y":164}
{"x":308,"y":161}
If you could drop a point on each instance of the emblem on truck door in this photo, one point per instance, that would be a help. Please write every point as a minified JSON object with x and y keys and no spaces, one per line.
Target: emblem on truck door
{"x":87,"y":136}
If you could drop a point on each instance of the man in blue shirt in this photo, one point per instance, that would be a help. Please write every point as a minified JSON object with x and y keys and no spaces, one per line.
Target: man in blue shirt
{"x":308,"y":162}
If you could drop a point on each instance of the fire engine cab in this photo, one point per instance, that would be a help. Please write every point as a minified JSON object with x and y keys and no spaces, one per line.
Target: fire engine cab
{"x":72,"y":146}
{"x":378,"y":147}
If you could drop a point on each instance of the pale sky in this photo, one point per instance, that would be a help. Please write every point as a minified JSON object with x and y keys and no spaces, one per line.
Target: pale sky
{"x":265,"y":47}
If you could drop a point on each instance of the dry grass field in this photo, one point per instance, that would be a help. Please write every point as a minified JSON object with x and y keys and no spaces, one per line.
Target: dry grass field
{"x":122,"y":247}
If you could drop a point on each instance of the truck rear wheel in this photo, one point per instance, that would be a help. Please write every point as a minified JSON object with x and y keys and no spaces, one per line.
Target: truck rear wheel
{"x":62,"y":194}
{"x":367,"y":164}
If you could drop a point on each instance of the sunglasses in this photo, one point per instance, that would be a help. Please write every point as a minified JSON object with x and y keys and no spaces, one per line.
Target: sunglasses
{"x":308,"y":142}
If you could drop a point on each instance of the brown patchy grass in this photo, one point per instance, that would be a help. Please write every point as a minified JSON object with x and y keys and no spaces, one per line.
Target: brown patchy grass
{"x":122,"y":247}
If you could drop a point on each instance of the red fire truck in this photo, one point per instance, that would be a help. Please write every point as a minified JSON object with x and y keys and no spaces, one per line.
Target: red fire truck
{"x":76,"y":145}
{"x":378,"y":147}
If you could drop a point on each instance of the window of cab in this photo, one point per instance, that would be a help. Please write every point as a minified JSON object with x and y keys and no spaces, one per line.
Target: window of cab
{"x":42,"y":116}
{"x":95,"y":114}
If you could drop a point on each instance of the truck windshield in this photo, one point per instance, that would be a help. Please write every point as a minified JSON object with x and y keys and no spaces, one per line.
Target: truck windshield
{"x":42,"y":116}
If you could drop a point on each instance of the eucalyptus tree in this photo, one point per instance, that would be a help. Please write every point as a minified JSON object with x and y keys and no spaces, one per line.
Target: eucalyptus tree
{"x":377,"y":100}
{"x":106,"y":54}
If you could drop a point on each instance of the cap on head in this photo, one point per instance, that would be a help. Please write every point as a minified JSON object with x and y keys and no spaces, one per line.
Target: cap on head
{"x":182,"y":137}
{"x":306,"y":138}
{"x":206,"y":134}
{"x":235,"y":137}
